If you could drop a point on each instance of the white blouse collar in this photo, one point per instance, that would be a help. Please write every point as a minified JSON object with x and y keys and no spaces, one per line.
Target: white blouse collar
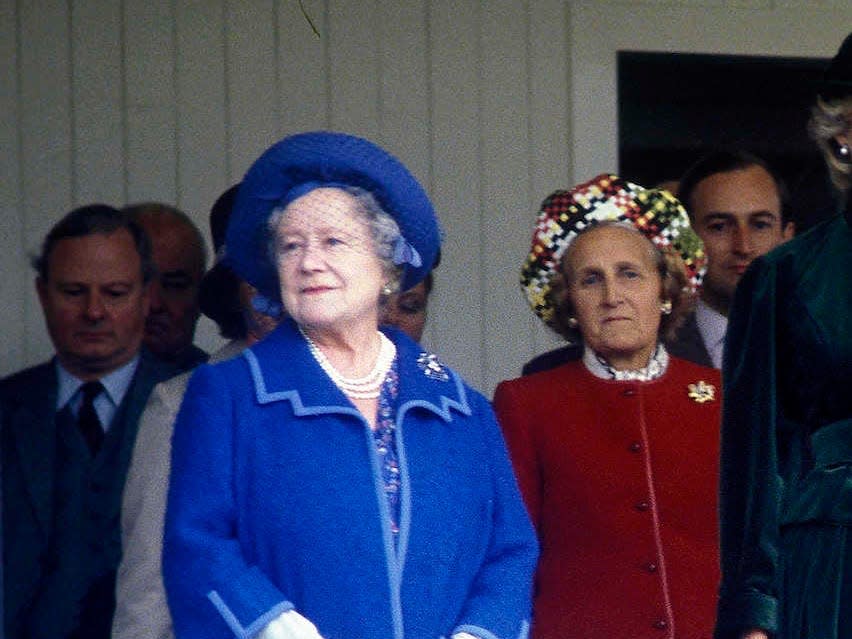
{"x":599,"y":367}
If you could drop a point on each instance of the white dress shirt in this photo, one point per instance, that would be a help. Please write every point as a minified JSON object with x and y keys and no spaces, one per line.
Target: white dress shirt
{"x":115,"y":386}
{"x":712,"y":325}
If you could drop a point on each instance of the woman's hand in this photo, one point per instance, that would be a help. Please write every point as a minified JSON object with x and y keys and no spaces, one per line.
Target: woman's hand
{"x":755,"y":634}
{"x":290,"y":625}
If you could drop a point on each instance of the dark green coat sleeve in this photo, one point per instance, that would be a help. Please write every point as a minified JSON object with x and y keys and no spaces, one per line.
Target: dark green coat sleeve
{"x":751,"y":485}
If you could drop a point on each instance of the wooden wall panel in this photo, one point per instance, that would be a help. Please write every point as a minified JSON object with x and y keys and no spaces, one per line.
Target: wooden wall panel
{"x":404,"y":93}
{"x":303,"y":67}
{"x":45,"y":142}
{"x":97,"y":116}
{"x":150,"y":100}
{"x":253,"y":111}
{"x":505,"y":123}
{"x":550,"y":155}
{"x":354,"y":67}
{"x":17,"y":278}
{"x":201,"y":117}
{"x":456,"y":51}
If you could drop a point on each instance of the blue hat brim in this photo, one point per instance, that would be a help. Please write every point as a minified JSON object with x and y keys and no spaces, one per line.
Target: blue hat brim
{"x":326,"y":157}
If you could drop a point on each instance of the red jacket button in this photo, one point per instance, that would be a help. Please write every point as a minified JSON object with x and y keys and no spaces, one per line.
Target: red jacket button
{"x":661,"y":624}
{"x":642,"y":506}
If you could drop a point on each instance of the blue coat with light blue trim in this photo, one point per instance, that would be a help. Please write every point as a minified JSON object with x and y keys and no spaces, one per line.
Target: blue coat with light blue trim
{"x":276,"y":502}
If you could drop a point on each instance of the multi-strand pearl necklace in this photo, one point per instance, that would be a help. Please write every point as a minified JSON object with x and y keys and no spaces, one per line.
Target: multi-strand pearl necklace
{"x":367,"y":387}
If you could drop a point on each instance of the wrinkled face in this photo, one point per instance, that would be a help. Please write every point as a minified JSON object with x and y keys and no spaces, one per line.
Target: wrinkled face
{"x":330,"y":273}
{"x":738,"y":215}
{"x":615,"y":288}
{"x":174,"y":312}
{"x":407,"y":311}
{"x":94,"y":302}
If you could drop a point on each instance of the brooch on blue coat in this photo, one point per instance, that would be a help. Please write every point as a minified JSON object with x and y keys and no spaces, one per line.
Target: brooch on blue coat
{"x":432,"y":367}
{"x":701,"y":392}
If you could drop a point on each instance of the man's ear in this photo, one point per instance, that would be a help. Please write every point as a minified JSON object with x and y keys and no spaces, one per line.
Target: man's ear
{"x":789,"y":231}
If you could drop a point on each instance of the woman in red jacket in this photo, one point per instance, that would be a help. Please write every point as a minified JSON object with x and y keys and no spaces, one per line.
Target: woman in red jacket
{"x":617,"y":453}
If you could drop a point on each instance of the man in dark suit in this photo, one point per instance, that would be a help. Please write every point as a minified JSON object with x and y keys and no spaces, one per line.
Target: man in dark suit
{"x":740,"y":208}
{"x":69,"y":428}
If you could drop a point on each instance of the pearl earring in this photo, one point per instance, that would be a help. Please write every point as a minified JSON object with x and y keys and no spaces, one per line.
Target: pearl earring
{"x":572,"y":322}
{"x":388,"y":289}
{"x":666,"y":307}
{"x":842,"y":152}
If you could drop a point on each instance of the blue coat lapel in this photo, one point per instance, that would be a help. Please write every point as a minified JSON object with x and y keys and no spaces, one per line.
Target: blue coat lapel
{"x":426,"y":382}
{"x":281,"y":364}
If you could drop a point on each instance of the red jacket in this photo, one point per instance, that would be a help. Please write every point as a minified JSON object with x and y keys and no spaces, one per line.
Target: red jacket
{"x":620,"y":479}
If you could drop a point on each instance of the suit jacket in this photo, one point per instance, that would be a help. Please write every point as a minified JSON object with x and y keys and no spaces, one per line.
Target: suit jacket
{"x":688,"y":343}
{"x":29,"y":463}
{"x":552,"y":359}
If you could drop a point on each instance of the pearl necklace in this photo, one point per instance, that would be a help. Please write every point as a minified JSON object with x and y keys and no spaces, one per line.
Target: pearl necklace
{"x":367,"y":387}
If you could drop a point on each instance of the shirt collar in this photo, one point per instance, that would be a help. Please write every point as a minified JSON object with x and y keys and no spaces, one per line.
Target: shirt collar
{"x":115,"y":383}
{"x":712,"y":325}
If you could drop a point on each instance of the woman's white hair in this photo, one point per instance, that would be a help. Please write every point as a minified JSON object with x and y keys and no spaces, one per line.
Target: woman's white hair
{"x":383,"y":229}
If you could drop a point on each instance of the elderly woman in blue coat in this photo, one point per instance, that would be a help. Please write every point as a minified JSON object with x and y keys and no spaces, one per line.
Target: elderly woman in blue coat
{"x":336,"y":480}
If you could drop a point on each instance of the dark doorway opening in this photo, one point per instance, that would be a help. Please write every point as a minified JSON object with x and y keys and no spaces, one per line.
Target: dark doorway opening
{"x":674,"y":107}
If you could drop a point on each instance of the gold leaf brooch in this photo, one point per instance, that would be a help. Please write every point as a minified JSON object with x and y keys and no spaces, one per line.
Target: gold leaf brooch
{"x":701,"y":392}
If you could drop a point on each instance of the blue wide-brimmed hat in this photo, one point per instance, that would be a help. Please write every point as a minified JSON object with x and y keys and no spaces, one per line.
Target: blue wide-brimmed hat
{"x":300,"y":162}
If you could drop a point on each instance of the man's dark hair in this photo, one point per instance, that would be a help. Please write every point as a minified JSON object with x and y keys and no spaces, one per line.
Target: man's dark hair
{"x":724,"y":161}
{"x":91,"y":219}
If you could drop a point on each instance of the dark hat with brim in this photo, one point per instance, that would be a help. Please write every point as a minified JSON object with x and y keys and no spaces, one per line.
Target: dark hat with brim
{"x":326,"y":158}
{"x":837,"y":82}
{"x":218,"y":294}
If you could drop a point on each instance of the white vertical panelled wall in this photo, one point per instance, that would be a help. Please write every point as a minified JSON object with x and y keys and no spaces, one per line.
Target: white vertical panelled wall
{"x":491,"y":104}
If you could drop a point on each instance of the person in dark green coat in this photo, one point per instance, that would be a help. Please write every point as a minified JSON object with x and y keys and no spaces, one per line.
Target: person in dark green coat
{"x":786,"y":458}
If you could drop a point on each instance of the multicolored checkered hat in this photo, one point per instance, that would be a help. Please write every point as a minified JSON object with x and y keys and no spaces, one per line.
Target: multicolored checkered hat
{"x":656,"y":213}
